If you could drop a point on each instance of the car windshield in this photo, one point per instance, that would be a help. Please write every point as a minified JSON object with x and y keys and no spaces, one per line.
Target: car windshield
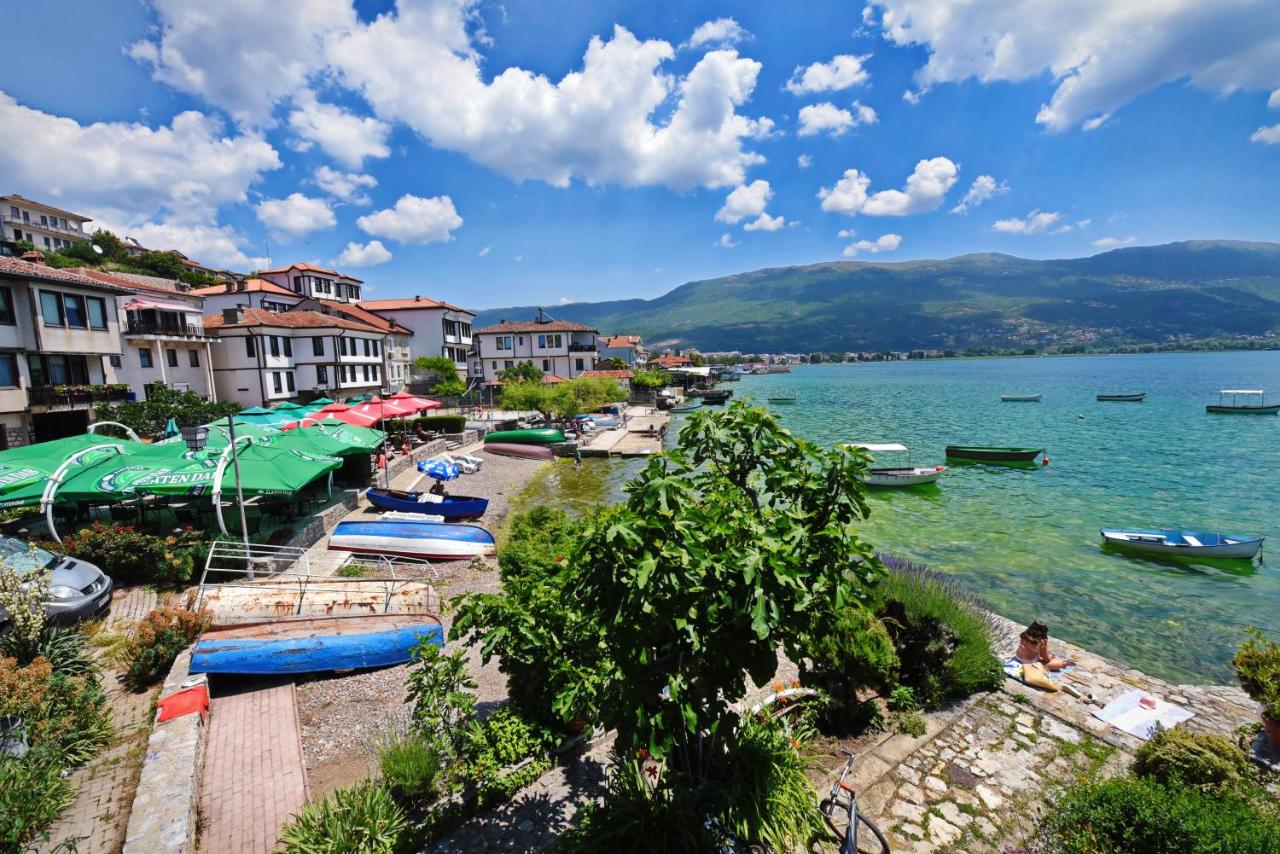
{"x":24,"y":557}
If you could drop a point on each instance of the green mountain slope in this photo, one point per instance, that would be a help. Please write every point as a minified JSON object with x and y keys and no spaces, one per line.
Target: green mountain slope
{"x":1178,"y":291}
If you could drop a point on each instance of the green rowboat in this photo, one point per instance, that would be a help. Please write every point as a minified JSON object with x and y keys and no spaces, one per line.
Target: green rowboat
{"x":534,"y":436}
{"x":996,"y":454}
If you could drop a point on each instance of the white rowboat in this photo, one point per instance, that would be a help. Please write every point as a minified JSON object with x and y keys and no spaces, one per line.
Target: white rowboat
{"x":898,"y":476}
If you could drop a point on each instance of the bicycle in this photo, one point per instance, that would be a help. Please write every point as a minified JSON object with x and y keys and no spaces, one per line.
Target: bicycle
{"x":842,"y":800}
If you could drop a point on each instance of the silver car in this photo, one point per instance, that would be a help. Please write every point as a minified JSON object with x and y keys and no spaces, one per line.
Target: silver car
{"x":78,"y":590}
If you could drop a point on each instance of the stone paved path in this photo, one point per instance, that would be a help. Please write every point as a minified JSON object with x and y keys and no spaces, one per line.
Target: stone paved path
{"x":253,"y":778}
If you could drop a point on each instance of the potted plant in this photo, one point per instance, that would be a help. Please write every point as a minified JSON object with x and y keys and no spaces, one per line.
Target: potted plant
{"x":1257,"y":666}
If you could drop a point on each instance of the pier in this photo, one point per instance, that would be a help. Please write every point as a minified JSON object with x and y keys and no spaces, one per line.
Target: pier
{"x":639,"y":436}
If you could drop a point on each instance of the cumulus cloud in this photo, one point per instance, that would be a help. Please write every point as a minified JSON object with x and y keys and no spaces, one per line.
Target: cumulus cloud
{"x":827,"y":117}
{"x":764,"y":222}
{"x":414,"y":219}
{"x":368,"y":255}
{"x":1108,"y":242}
{"x":883,"y":243}
{"x":344,"y":136}
{"x":219,"y":246}
{"x":745,"y":201}
{"x":345,"y":186}
{"x":983,"y":187}
{"x":485,"y":251}
{"x":804,"y":161}
{"x":1035,"y":222}
{"x":924,"y":191}
{"x":846,"y":232}
{"x":1268,"y":135}
{"x":1100,"y":54}
{"x":722,"y":32}
{"x":726,"y":241}
{"x":295,"y":215}
{"x":840,"y":73}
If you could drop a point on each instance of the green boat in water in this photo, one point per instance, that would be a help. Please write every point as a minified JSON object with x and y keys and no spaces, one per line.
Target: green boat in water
{"x":993,"y":454}
{"x":532,"y":436}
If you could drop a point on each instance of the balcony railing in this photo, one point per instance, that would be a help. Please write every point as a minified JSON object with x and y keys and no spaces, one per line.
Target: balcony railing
{"x":76,"y":395}
{"x":35,"y":223}
{"x":582,"y":348}
{"x":150,"y":327}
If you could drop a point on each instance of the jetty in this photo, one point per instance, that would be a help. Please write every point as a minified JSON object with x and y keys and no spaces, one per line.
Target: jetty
{"x":639,"y":435}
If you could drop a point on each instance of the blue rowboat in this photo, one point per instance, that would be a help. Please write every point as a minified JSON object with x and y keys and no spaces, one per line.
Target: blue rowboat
{"x":314,"y":644}
{"x":1169,"y":542}
{"x":432,"y":540}
{"x":452,"y":507}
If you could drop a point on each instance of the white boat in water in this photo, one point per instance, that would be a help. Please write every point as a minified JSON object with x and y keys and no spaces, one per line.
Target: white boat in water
{"x":1021,"y":398}
{"x":907,"y":475}
{"x":1163,"y":541}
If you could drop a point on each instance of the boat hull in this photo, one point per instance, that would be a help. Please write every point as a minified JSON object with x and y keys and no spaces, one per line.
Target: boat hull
{"x":1021,"y":398}
{"x":514,"y":449}
{"x":452,"y":507}
{"x":291,"y":596}
{"x":686,"y":408}
{"x":993,"y":454}
{"x":1171,"y":543}
{"x":1122,"y":398}
{"x":1219,"y":409}
{"x":532,"y":436}
{"x":431,"y":540}
{"x":314,"y":645}
{"x":900,"y":477}
{"x":781,"y":399}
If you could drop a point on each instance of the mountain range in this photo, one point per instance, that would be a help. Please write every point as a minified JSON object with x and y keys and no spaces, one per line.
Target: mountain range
{"x":1186,"y":291}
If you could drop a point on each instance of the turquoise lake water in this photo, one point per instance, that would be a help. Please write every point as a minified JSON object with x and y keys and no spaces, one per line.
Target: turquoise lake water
{"x":1026,"y":540}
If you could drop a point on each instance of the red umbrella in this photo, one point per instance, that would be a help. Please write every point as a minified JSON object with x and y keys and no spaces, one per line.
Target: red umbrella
{"x":349,"y":414}
{"x":419,"y":403}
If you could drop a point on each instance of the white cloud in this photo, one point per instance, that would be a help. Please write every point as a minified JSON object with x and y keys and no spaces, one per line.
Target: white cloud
{"x":722,"y":32}
{"x":746,"y":201}
{"x":1268,"y":135}
{"x":219,"y":246}
{"x":519,"y":259}
{"x":368,"y":255}
{"x":485,"y":251}
{"x":925,"y":189}
{"x":1107,"y":242}
{"x":1274,"y":100}
{"x":128,"y":172}
{"x":840,"y":73}
{"x":1099,"y":53}
{"x":342,"y":135}
{"x":414,"y":220}
{"x":1035,"y":222}
{"x":726,"y":241}
{"x":564,"y":300}
{"x":295,"y":215}
{"x":345,"y":186}
{"x":242,"y":56}
{"x":883,"y":243}
{"x":983,"y":187}
{"x":764,"y":222}
{"x":846,"y":232}
{"x":804,"y":161}
{"x":827,"y":117}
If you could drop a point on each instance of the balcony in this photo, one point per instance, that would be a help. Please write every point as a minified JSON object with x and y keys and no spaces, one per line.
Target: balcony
{"x":174,"y":329}
{"x":69,"y":231}
{"x":582,"y":348}
{"x":76,"y":395}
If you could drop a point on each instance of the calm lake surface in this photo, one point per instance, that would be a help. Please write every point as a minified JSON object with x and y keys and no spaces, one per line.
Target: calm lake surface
{"x":1026,"y":540}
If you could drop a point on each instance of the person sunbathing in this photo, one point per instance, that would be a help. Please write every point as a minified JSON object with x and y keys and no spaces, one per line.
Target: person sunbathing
{"x":1033,"y":646}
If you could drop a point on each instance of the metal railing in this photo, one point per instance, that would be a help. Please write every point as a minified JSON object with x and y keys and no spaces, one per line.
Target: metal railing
{"x":582,"y":348}
{"x":74,"y":395}
{"x":151,"y":327}
{"x":49,"y":226}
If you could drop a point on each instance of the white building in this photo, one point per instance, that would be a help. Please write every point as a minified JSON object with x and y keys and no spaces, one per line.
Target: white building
{"x":628,"y":348}
{"x":265,"y":357}
{"x":559,"y":348}
{"x":438,"y":328}
{"x":307,"y":280}
{"x":44,"y":226}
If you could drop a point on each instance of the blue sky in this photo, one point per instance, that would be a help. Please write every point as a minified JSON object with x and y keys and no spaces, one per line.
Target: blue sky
{"x":438,"y":147}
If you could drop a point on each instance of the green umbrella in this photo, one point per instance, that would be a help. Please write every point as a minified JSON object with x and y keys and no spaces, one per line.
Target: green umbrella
{"x":358,"y":439}
{"x":171,"y":427}
{"x":34,"y":464}
{"x":320,"y":401}
{"x":314,"y":441}
{"x":286,"y":405}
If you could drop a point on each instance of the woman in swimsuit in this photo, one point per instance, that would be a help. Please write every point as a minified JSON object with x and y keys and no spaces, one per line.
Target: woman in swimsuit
{"x":1033,"y":646}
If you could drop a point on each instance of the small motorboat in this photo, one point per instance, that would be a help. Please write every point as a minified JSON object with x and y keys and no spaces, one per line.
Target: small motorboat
{"x":603,"y":422}
{"x":1184,"y":543}
{"x":314,"y":644}
{"x":907,"y":475}
{"x":1021,"y":398}
{"x":717,"y":396}
{"x":448,"y":506}
{"x":990,"y":453}
{"x":530,"y":436}
{"x":689,"y":405}
{"x":522,"y":451}
{"x":1135,"y":397}
{"x":412,"y":538}
{"x":781,"y":399}
{"x":1235,"y":407}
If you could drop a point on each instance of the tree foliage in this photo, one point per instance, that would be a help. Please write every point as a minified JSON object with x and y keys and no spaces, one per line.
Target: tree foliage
{"x":148,"y":417}
{"x":650,"y":379}
{"x":446,"y":381}
{"x":522,"y":372}
{"x":558,"y":401}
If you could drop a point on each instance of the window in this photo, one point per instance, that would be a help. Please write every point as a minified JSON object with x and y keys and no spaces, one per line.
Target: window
{"x":377,"y":348}
{"x":495,"y":365}
{"x":13,"y":211}
{"x":51,"y":308}
{"x":193,"y":358}
{"x":57,"y":243}
{"x":553,"y":341}
{"x":376,"y":371}
{"x":578,"y":363}
{"x":114,"y":361}
{"x":288,"y":347}
{"x":366,"y":373}
{"x":546,"y":366}
{"x":317,"y":346}
{"x":342,"y":346}
{"x":276,"y":382}
{"x":508,"y":363}
{"x":8,"y":370}
{"x":322,"y":375}
{"x":26,"y":217}
{"x":367,"y":350}
{"x":63,"y":222}
{"x":47,"y":244}
{"x":6,"y":307}
{"x":44,"y":220}
{"x":144,"y":357}
{"x":171,"y":356}
{"x":274,"y":344}
{"x":58,"y":370}
{"x":504,"y":342}
{"x":297,"y":284}
{"x":250,"y":349}
{"x":289,"y":379}
{"x":73,"y":304}
{"x":97,"y":313}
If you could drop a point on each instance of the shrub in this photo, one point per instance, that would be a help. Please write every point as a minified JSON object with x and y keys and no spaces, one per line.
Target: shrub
{"x":33,"y":793}
{"x":410,"y":765}
{"x":495,"y":744}
{"x":64,"y":647}
{"x":1144,"y":816}
{"x":903,"y":699}
{"x":1210,"y":762}
{"x":130,"y":556}
{"x":942,"y":637}
{"x":441,"y":694}
{"x":911,"y":723}
{"x":156,"y":642}
{"x":360,"y":819}
{"x":1257,"y":666}
{"x":440,"y":423}
{"x":855,"y":653}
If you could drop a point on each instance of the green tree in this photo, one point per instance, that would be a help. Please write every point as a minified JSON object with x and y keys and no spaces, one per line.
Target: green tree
{"x":165,"y":264}
{"x":112,"y":248}
{"x":650,"y":379}
{"x":525,"y":371}
{"x":697,"y":359}
{"x":613,"y":363}
{"x":149,"y":417}
{"x":446,"y":381}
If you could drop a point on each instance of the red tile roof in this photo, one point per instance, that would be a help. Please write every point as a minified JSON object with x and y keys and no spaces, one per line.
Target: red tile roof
{"x":365,"y":316}
{"x":249,"y":286}
{"x":287,"y":320}
{"x":535,"y":326}
{"x":620,"y":341}
{"x":672,"y":361}
{"x":18,"y":269}
{"x":130,"y":283}
{"x":608,"y":375}
{"x":408,"y":303}
{"x":311,"y":268}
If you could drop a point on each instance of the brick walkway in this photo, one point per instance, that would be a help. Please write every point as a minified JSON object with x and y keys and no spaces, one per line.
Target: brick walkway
{"x":253,"y":778}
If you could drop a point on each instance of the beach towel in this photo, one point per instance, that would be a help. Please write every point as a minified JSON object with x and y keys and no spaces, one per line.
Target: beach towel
{"x":1125,"y":713}
{"x":1034,"y":674}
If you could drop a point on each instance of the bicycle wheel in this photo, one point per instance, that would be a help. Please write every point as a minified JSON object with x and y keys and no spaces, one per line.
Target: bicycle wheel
{"x":870,"y":839}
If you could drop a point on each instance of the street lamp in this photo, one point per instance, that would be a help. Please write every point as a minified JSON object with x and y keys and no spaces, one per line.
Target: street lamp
{"x":196,"y":438}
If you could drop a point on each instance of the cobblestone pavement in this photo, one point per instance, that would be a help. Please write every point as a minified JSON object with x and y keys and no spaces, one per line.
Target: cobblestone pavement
{"x":253,"y":778}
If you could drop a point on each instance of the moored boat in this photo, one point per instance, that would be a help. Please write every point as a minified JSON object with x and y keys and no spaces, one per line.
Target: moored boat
{"x":530,"y":436}
{"x":993,"y":453}
{"x":689,"y":405}
{"x":448,"y":506}
{"x":1135,"y":397}
{"x":899,"y":476}
{"x":1235,"y":407}
{"x":717,"y":396}
{"x":515,"y":449}
{"x":791,"y":399}
{"x":1164,"y":541}
{"x":1021,"y":398}
{"x":314,"y":644}
{"x":431,"y":540}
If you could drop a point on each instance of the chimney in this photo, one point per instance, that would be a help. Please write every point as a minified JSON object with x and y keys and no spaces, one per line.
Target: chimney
{"x":417,"y":298}
{"x":232,"y":316}
{"x":33,"y":257}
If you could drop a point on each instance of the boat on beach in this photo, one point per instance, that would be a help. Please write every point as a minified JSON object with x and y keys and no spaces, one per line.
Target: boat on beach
{"x":1169,"y":542}
{"x":1021,"y":398}
{"x":530,"y":436}
{"x":448,"y":506}
{"x":314,"y":644}
{"x":898,"y":476}
{"x":991,"y":453}
{"x":521,"y":451}
{"x":1135,"y":397}
{"x":1235,"y":407}
{"x":431,"y":540}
